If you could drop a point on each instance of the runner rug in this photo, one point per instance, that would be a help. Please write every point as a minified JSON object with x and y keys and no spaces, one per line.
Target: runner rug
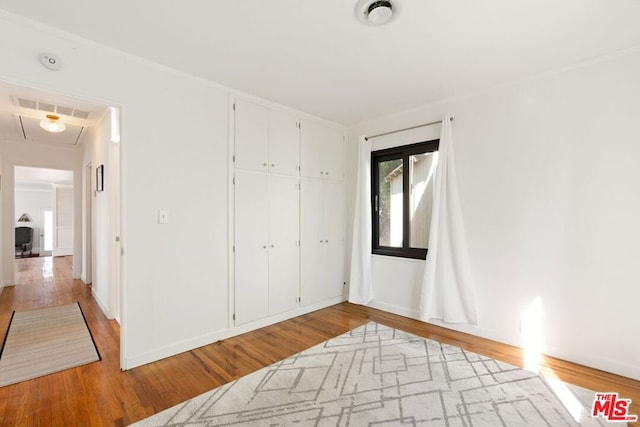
{"x":44,"y":341}
{"x":376,"y":375}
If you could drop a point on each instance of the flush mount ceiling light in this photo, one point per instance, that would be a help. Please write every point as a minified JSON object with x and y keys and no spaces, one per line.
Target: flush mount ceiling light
{"x":52,"y":123}
{"x":374,"y":12}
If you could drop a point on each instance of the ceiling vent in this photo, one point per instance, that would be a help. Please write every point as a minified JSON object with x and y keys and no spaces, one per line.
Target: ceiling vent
{"x":27,"y":103}
{"x":52,"y":108}
{"x":375,"y":12}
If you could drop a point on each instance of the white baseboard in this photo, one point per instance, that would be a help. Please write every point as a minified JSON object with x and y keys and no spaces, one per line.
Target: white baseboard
{"x":468,"y":329}
{"x":202,"y":340}
{"x":603,"y":364}
{"x":102,"y":306}
{"x":395,"y":309}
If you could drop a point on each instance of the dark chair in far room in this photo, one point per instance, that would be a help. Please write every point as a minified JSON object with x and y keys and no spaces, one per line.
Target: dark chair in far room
{"x":24,"y":241}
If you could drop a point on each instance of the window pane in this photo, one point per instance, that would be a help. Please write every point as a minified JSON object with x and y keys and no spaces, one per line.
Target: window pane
{"x":390,"y":203}
{"x":422,"y":169}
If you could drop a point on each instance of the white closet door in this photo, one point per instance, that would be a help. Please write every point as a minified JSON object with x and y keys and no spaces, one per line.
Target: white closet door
{"x":322,"y":151}
{"x":311,"y":241}
{"x":284,"y":143}
{"x":311,"y":156}
{"x":251,"y":136}
{"x":333,"y":153}
{"x":334,"y":211}
{"x":334,"y":215}
{"x":284,"y":254}
{"x":62,"y":220}
{"x":251,"y":247}
{"x":334,"y":264}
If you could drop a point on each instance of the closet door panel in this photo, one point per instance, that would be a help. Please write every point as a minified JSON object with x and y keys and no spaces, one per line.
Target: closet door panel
{"x":251,"y":136}
{"x":334,"y":214}
{"x":251,"y":247}
{"x":333,"y":285}
{"x":334,"y":211}
{"x":322,"y":151}
{"x":284,"y":143}
{"x":311,"y":241}
{"x":311,"y":156}
{"x":333,"y":154}
{"x":284,"y":254}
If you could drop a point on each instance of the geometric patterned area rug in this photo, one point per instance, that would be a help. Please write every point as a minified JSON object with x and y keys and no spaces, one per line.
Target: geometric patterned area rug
{"x":44,"y":341}
{"x":375,"y":375}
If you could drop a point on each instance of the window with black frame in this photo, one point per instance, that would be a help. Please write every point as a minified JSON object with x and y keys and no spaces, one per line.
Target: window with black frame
{"x":401,"y":198}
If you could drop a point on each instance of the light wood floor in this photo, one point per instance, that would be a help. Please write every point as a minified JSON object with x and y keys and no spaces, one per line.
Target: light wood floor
{"x":101,"y":394}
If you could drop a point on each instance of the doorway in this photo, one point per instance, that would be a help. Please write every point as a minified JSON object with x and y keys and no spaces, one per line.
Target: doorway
{"x":88,"y":229}
{"x":43,"y":202}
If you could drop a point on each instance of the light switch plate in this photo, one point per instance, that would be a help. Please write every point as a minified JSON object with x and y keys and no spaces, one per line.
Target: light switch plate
{"x":163,"y":217}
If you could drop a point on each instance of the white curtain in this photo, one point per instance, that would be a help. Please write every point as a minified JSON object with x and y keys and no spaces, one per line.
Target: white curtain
{"x":447,"y":286}
{"x":360,"y":281}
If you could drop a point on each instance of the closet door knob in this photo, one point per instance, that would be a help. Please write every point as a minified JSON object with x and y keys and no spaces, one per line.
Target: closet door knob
{"x":273,"y":246}
{"x":264,"y":164}
{"x":273,"y":165}
{"x":264,"y":246}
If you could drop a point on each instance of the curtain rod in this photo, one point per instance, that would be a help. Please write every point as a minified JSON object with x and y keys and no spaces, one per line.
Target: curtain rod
{"x":404,"y":129}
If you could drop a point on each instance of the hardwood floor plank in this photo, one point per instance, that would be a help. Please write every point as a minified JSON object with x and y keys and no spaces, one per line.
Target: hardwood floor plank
{"x":100,"y":394}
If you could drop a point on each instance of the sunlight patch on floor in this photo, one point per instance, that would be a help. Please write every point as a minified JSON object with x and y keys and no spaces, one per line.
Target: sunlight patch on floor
{"x":566,"y":396}
{"x":47,"y":267}
{"x":531,"y":330}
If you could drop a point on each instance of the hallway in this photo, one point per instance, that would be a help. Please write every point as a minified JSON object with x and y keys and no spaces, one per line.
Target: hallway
{"x":43,"y":282}
{"x":75,"y":394}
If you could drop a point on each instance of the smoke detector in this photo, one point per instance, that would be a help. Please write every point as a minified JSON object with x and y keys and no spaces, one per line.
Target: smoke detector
{"x":374,"y":12}
{"x":50,"y":61}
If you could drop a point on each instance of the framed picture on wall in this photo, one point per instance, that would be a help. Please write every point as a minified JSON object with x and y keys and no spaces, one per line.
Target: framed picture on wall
{"x":100,"y":178}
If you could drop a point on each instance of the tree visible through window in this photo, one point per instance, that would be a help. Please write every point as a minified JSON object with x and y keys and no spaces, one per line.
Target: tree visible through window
{"x":402,"y":194}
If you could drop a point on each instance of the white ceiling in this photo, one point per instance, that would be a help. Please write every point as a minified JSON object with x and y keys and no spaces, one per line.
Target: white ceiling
{"x":316,"y":56}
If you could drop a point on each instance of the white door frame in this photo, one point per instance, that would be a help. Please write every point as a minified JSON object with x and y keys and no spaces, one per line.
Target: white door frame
{"x":61,"y":250}
{"x":6,"y":231}
{"x":87,"y":226}
{"x":41,"y":231}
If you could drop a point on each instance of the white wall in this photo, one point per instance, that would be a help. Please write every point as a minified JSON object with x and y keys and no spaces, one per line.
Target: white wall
{"x":548,"y":173}
{"x":18,"y":153}
{"x":32,"y":200}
